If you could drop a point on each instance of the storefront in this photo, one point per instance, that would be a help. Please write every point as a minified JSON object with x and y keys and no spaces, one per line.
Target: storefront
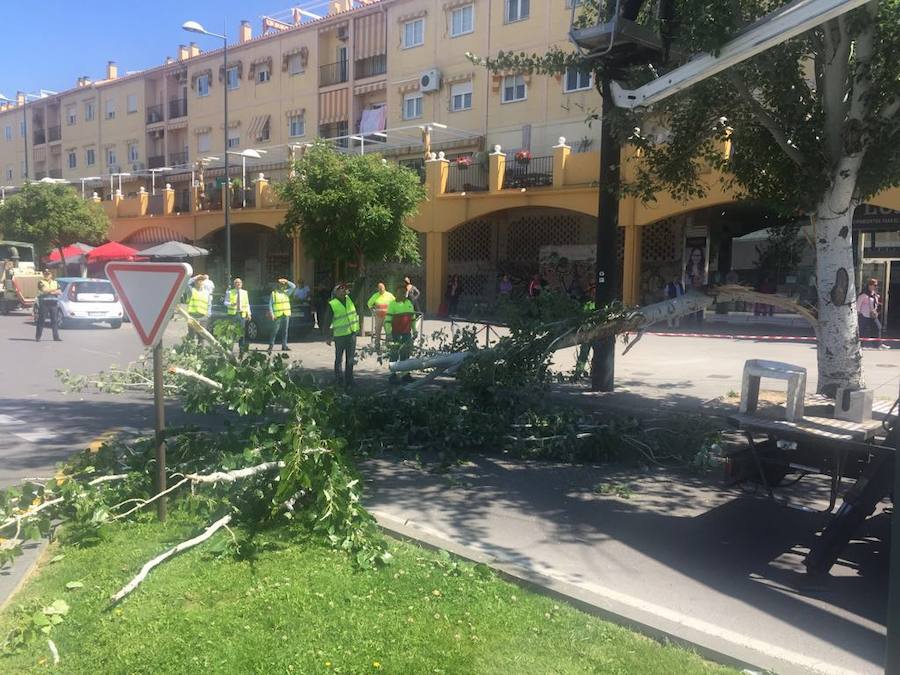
{"x":877,"y":236}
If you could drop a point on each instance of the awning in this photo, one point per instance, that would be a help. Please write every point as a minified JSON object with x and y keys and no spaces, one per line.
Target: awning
{"x":372,"y":86}
{"x":257,"y":124}
{"x":295,"y":112}
{"x":180,"y":124}
{"x":369,"y":36}
{"x":151,"y":236}
{"x":333,"y":106}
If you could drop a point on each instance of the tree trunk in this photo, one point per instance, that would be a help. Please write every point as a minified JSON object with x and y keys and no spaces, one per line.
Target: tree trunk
{"x":839,"y":355}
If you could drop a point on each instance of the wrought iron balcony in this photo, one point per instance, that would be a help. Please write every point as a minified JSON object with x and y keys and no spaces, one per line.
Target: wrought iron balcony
{"x":54,"y":134}
{"x":178,"y":158}
{"x":40,"y":137}
{"x":156,"y":161}
{"x":177,"y":108}
{"x":155,"y":113}
{"x":535,"y":172}
{"x":334,"y":73}
{"x":371,"y":66}
{"x":467,"y":178}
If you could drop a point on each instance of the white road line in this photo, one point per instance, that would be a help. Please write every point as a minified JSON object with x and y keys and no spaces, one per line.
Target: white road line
{"x":35,"y":436}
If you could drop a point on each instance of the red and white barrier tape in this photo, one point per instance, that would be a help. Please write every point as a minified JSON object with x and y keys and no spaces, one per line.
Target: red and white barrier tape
{"x":786,"y":338}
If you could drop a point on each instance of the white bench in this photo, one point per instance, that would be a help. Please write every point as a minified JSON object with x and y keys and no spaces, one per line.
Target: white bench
{"x":795,"y":376}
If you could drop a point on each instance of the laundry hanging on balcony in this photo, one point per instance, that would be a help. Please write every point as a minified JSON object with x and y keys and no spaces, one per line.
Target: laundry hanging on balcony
{"x":373,"y":119}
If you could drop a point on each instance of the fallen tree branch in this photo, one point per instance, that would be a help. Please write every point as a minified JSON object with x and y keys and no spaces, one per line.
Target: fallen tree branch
{"x":236,"y":474}
{"x":194,"y":375}
{"x":183,"y":546}
{"x":205,"y":334}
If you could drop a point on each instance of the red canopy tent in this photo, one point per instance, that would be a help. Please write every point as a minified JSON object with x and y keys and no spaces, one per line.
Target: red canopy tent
{"x":73,"y":253}
{"x":112,"y":250}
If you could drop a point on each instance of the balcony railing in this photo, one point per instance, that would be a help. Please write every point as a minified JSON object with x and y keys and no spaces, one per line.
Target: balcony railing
{"x":417,"y":165}
{"x":54,"y":134}
{"x":371,"y":66}
{"x":182,"y":201}
{"x":177,"y":108}
{"x":156,"y":161}
{"x":462,"y":178}
{"x":55,"y":173}
{"x":334,"y":73}
{"x":536,"y":172}
{"x":156,"y":113}
{"x":178,"y":158}
{"x":39,"y":137}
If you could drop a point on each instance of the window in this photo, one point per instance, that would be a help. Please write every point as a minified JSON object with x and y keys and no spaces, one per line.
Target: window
{"x":413,"y":33}
{"x":514,"y":88}
{"x":577,"y":80}
{"x":203,"y":142}
{"x":266,"y":131}
{"x":71,"y":115}
{"x":90,"y":157}
{"x":263,"y":74}
{"x":132,"y":152}
{"x":234,"y":138}
{"x":111,"y":157}
{"x":22,"y":128}
{"x":462,"y":20}
{"x":231,"y":78}
{"x":110,"y":108}
{"x":7,"y":133}
{"x":203,"y":85}
{"x":295,"y":64}
{"x":131,"y":103}
{"x":88,"y":111}
{"x":412,"y":106}
{"x":296,"y":126}
{"x":73,"y":160}
{"x":461,"y":96}
{"x":517,"y":10}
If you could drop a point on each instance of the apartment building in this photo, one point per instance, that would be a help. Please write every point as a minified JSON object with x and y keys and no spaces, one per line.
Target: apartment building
{"x":383,"y":75}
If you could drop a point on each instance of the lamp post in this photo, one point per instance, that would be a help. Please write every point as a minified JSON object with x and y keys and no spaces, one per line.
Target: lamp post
{"x":195,"y":27}
{"x":153,"y":173}
{"x":244,"y":154}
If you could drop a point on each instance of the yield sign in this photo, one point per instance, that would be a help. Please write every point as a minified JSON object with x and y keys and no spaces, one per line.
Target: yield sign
{"x":148,"y":292}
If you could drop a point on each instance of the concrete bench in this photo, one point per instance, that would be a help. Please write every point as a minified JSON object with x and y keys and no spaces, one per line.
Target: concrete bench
{"x":795,"y":376}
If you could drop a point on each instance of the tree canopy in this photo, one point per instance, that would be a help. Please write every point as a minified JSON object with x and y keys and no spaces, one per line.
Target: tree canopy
{"x":352,"y":207}
{"x":52,"y":216}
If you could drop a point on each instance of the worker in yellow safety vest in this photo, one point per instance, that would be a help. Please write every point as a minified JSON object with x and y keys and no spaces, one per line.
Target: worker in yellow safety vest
{"x":280,"y":312}
{"x":378,"y":305}
{"x":48,"y":305}
{"x":400,"y":326}
{"x":198,"y":305}
{"x":237,"y":304}
{"x":344,"y":327}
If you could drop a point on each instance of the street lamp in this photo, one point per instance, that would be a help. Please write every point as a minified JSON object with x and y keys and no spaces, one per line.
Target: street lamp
{"x":244,"y":154}
{"x":85,"y":180}
{"x":196,"y":27}
{"x":153,"y":173}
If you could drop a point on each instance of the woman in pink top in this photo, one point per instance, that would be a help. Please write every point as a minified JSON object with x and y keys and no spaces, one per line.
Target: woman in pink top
{"x":867,"y":306}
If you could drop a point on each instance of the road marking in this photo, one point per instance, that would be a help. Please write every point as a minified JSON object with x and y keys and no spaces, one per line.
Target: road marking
{"x":95,"y":445}
{"x":6,"y":419}
{"x":35,"y":436}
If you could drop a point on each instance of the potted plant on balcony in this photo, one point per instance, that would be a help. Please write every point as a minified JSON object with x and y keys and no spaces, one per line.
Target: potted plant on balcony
{"x":464,"y":162}
{"x":523,"y":157}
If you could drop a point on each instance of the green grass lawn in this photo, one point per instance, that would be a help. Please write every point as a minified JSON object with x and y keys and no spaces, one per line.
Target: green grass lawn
{"x":302,"y":608}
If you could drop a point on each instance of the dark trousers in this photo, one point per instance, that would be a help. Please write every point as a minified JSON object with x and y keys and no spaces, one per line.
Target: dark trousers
{"x":868,"y":328}
{"x":281,"y":323}
{"x":584,"y":350}
{"x":242,"y":341}
{"x":344,"y":355}
{"x":47,"y":308}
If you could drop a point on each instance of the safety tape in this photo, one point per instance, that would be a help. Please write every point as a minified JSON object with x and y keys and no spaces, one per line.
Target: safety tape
{"x":785,"y":338}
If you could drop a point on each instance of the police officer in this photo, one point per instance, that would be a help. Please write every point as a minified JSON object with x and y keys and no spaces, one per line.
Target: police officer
{"x":344,"y":327}
{"x":280,"y":312}
{"x":237,"y":302}
{"x":48,"y":305}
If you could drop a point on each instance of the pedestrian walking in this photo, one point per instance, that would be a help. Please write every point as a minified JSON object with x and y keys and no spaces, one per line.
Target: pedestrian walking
{"x":237,"y":303}
{"x":199,"y":302}
{"x":48,"y":305}
{"x":378,"y":305}
{"x":674,"y":289}
{"x":411,"y":292}
{"x":867,"y":306}
{"x":344,"y":327}
{"x":280,"y":312}
{"x":400,"y":325}
{"x":454,"y":291}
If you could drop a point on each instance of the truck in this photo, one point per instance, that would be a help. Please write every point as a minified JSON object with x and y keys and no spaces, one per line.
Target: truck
{"x":18,"y":276}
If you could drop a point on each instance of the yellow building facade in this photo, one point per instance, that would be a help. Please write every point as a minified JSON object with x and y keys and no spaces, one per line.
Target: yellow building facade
{"x":391,"y":76}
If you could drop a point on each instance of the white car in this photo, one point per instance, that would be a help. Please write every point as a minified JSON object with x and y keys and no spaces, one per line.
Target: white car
{"x":87,"y":301}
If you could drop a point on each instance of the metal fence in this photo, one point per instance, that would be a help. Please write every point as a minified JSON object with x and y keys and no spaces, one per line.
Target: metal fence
{"x":536,"y":172}
{"x":156,"y":161}
{"x":155,"y":113}
{"x":462,"y":178}
{"x":334,"y":73}
{"x":177,"y":108}
{"x":370,"y":66}
{"x":178,"y":158}
{"x":417,"y":165}
{"x":54,"y":134}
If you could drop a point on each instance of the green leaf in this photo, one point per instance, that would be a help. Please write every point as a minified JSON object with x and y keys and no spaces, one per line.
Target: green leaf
{"x":57,"y":607}
{"x":39,"y":619}
{"x":72,"y":585}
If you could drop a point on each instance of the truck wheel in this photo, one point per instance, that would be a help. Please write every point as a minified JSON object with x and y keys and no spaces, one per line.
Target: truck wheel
{"x":115,"y":324}
{"x":252,"y":330}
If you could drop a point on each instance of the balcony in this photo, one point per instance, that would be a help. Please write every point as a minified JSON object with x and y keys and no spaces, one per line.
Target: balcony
{"x":178,"y":158}
{"x":471,"y":178}
{"x":177,"y":108}
{"x":40,"y":174}
{"x":536,"y":172}
{"x":182,"y":201}
{"x":156,"y":161}
{"x":55,"y":173}
{"x":39,"y":137}
{"x":155,"y":113}
{"x":417,"y":165}
{"x":370,"y":67}
{"x":54,"y":134}
{"x":334,"y":73}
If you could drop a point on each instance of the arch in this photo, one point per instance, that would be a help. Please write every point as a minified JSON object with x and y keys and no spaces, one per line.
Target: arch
{"x":258,"y":253}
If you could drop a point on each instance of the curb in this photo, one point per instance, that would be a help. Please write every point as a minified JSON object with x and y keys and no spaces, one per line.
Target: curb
{"x":657,"y":623}
{"x":22,"y":569}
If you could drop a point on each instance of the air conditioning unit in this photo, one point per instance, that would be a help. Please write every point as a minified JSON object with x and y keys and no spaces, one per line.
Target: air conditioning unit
{"x":137,"y":166}
{"x":430,"y":80}
{"x":343,"y":33}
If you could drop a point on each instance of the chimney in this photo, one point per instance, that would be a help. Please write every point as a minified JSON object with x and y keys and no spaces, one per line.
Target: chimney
{"x":20,"y":98}
{"x":112,"y":70}
{"x":168,"y":60}
{"x":183,"y":52}
{"x":195,"y":50}
{"x":245,"y":33}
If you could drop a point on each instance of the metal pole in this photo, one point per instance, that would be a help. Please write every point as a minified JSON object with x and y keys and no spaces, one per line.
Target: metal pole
{"x":243,"y":181}
{"x":25,"y":132}
{"x":153,"y":183}
{"x":607,"y":273}
{"x":160,"y":407}
{"x":227,"y":181}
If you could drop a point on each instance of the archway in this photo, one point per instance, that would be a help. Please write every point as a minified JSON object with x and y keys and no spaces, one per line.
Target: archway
{"x":259,"y":254}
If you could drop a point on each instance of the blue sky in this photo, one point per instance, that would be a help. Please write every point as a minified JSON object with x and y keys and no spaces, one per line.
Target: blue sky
{"x":50,"y":44}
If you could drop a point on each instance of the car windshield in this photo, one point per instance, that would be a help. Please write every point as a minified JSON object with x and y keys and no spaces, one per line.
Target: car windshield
{"x":95,"y":291}
{"x":23,"y":253}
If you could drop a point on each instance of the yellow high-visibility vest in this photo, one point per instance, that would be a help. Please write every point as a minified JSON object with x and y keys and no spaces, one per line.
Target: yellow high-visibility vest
{"x":47,"y":286}
{"x":198,"y":305}
{"x":345,"y":320}
{"x":233,"y":295}
{"x":281,"y":304}
{"x":401,"y":315}
{"x":379,"y":302}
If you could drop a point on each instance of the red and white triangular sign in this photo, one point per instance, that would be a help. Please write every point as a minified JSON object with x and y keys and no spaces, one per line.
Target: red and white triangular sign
{"x":148,"y":292}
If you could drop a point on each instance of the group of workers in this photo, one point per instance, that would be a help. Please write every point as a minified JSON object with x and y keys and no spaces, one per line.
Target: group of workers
{"x":393,"y":314}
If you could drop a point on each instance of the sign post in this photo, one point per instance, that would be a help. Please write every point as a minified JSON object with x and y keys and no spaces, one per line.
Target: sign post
{"x":149,"y":292}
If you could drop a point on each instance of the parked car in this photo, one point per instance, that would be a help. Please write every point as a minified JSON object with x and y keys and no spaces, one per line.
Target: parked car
{"x":87,"y":301}
{"x":259,"y":327}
